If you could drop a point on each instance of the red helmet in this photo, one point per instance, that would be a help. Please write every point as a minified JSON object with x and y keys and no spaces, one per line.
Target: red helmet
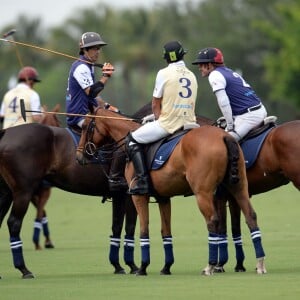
{"x":209,"y":55}
{"x":28,"y":73}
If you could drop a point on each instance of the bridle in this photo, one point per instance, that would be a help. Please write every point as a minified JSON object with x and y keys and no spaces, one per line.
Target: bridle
{"x":104,"y":152}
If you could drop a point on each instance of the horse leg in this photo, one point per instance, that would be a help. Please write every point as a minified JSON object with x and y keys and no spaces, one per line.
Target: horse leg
{"x":220,"y":201}
{"x":5,"y":200}
{"x":142,"y":208}
{"x":44,"y":197}
{"x":251,"y":220}
{"x":130,"y":224}
{"x":14,"y":223}
{"x":118,"y":213}
{"x":206,"y":206}
{"x":235,"y":213}
{"x":41,"y":221}
{"x":165,"y":215}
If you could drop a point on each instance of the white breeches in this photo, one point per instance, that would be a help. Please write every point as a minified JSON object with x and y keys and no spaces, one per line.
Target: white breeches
{"x":149,"y":132}
{"x":245,"y":122}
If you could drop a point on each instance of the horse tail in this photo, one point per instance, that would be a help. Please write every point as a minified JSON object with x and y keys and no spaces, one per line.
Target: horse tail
{"x":5,"y":199}
{"x":233,"y":159}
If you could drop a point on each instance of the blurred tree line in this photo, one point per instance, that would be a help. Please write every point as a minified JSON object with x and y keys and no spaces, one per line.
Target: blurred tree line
{"x":258,"y":38}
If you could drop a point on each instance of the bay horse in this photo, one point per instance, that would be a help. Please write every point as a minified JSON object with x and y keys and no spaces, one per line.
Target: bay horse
{"x":31,"y":153}
{"x":277,"y":164}
{"x":203,"y":159}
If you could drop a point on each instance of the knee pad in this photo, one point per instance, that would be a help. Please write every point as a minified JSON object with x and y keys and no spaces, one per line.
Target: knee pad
{"x":131,"y":145}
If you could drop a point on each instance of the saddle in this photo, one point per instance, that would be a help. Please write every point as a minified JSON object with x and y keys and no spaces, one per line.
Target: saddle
{"x":157,"y":153}
{"x":268,"y":122}
{"x":253,"y":141}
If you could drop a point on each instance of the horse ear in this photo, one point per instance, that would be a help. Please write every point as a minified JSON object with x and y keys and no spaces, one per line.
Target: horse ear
{"x":56,"y":108}
{"x":44,"y":107}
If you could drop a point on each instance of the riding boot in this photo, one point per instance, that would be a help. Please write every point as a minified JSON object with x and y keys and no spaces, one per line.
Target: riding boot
{"x":116,"y":180}
{"x":136,"y":155}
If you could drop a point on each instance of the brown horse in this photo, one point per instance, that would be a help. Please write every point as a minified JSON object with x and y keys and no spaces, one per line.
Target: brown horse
{"x":29,"y":154}
{"x":203,"y":159}
{"x":277,"y":164}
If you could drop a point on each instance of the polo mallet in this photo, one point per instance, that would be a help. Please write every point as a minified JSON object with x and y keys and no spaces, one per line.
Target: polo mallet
{"x":23,"y":114}
{"x":10,"y":34}
{"x":50,"y":51}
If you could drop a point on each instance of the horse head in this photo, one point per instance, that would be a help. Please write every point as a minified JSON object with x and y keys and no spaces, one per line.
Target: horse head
{"x":51,"y":119}
{"x":105,"y":128}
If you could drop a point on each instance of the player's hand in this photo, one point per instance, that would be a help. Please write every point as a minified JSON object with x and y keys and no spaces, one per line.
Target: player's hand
{"x":108,"y":69}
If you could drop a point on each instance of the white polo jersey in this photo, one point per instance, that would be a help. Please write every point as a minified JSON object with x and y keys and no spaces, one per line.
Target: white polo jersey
{"x":177,"y":85}
{"x":10,"y":107}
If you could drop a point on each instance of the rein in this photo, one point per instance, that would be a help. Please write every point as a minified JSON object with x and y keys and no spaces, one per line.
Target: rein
{"x":106,"y":151}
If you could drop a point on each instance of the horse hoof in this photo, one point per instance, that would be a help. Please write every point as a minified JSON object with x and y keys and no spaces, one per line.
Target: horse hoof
{"x":261,"y":271}
{"x":208,"y":270}
{"x":133,"y":268}
{"x":165,"y":272}
{"x":219,"y":269}
{"x":260,"y":266}
{"x":240,"y":269}
{"x":38,"y":247}
{"x":49,"y":245}
{"x":140,"y":272}
{"x":120,"y":271}
{"x":28,"y":276}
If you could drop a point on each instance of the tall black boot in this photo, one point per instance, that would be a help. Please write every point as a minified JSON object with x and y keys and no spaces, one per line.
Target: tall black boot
{"x":136,"y":155}
{"x":116,"y":180}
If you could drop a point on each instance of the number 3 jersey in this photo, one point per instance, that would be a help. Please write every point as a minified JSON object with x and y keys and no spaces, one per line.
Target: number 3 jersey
{"x":177,"y":85}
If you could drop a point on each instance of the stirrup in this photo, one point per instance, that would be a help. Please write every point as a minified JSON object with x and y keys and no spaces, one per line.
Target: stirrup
{"x":142,"y":187}
{"x":117,"y":183}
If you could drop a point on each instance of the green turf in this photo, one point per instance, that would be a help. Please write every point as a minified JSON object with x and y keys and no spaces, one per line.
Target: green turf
{"x":78,"y":267}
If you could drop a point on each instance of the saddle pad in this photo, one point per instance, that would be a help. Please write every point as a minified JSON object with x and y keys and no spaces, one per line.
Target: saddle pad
{"x":164,"y":152}
{"x":252,"y":146}
{"x":75,"y":137}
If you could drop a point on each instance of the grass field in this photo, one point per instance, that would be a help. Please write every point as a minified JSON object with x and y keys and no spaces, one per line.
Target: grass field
{"x":78,"y":267}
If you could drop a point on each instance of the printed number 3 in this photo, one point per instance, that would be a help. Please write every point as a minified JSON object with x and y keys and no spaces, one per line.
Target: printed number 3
{"x":186,"y":85}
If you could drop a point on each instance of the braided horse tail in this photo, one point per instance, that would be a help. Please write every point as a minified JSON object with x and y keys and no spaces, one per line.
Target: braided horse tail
{"x":233,"y":157}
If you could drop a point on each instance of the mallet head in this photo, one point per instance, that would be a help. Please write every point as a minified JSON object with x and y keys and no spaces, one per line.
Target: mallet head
{"x":9,"y":33}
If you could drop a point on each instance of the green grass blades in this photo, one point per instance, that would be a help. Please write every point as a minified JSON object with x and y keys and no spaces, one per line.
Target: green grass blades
{"x":78,"y":267}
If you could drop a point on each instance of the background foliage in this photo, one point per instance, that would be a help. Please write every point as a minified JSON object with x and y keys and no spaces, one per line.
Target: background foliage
{"x":258,"y":38}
